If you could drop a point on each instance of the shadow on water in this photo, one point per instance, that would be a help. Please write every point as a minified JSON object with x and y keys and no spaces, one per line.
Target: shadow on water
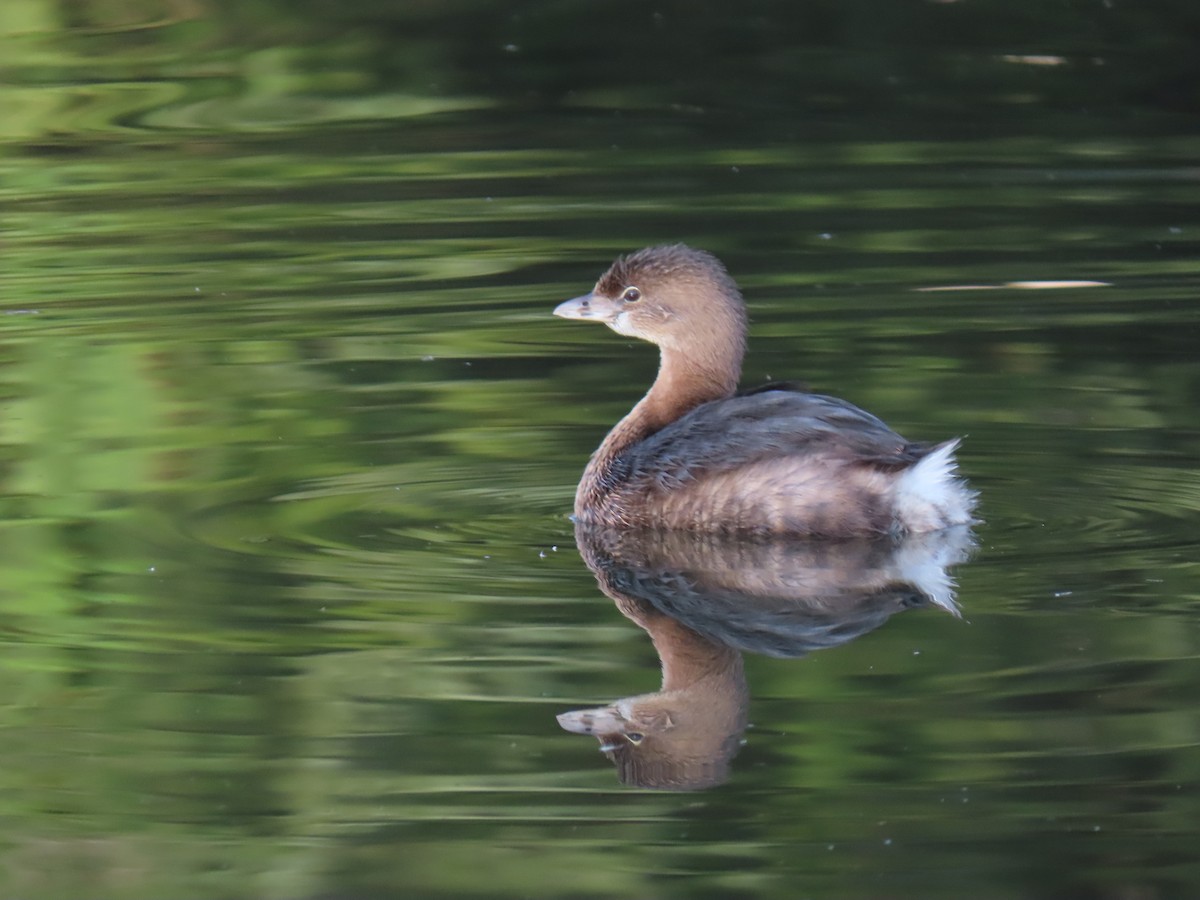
{"x":705,"y":599}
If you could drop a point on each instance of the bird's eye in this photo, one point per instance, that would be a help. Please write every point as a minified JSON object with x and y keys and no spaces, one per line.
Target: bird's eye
{"x":631,"y":295}
{"x":634,"y":737}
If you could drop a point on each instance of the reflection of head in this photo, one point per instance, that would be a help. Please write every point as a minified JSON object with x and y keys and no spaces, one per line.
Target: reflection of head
{"x":683,"y":738}
{"x":704,"y":598}
{"x":666,"y":771}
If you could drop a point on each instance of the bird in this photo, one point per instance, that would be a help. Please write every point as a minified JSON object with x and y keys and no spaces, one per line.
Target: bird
{"x":695,"y":453}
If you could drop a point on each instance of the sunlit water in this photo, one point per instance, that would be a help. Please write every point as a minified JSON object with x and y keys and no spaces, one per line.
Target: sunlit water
{"x":289,"y":438}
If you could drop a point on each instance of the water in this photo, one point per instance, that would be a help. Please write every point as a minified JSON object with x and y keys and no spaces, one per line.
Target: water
{"x":289,"y":437}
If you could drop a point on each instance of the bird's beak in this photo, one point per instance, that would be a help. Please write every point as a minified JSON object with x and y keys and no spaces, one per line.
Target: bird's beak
{"x":578,"y":308}
{"x":602,"y":720}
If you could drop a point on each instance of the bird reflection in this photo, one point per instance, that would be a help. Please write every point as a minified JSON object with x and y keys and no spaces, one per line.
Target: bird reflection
{"x":705,"y":598}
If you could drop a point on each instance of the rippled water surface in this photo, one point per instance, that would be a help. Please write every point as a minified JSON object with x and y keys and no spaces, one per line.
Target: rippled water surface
{"x":289,"y":437}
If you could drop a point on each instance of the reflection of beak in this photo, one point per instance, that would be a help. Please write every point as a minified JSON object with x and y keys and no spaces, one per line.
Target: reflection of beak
{"x":602,"y":720}
{"x":579,"y":308}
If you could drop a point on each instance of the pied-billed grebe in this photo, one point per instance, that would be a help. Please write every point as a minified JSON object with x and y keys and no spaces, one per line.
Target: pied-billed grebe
{"x":695,"y":454}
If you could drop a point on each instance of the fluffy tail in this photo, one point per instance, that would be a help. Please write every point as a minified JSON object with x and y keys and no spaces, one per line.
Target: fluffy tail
{"x":930,"y":495}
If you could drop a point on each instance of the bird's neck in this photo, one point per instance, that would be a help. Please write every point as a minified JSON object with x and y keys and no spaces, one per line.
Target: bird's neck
{"x":683,"y":383}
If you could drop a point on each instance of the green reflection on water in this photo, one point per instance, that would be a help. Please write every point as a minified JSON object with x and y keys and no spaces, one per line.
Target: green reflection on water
{"x":289,"y":436}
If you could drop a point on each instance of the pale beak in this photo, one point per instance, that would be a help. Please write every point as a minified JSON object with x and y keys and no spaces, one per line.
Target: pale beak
{"x":578,"y":308}
{"x":603,"y":720}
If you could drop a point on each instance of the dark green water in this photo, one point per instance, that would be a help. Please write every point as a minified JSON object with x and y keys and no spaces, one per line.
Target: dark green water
{"x":288,"y":439}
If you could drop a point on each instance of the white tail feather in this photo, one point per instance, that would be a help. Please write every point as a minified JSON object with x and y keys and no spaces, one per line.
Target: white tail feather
{"x":930,"y":495}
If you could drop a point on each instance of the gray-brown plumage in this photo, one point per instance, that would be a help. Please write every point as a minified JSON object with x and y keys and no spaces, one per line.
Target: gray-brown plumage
{"x":694,"y":454}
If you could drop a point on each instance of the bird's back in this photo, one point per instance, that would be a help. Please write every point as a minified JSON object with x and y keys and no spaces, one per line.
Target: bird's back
{"x":778,"y":460}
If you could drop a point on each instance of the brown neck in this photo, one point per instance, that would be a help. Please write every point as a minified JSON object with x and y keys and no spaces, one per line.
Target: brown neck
{"x":688,"y":658}
{"x":682,"y":385}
